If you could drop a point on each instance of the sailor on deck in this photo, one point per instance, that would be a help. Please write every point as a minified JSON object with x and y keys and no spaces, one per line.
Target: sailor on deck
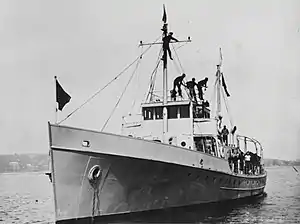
{"x":166,"y":43}
{"x":200,"y":85}
{"x":191,"y":86}
{"x":177,"y":83}
{"x":225,"y":133}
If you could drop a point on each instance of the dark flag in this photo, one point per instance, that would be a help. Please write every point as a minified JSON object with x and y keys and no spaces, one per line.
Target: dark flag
{"x":233,"y":130}
{"x":164,"y":18}
{"x":221,"y":57}
{"x":62,"y":98}
{"x":224,"y":85}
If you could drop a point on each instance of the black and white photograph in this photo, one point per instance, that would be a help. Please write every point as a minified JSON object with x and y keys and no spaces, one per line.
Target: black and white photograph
{"x":149,"y":111}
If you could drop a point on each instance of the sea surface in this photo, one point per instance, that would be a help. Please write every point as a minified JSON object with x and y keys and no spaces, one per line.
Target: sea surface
{"x":27,"y":198}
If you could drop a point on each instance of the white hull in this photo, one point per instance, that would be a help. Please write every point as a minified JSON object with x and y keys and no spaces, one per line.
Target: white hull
{"x":137,"y":175}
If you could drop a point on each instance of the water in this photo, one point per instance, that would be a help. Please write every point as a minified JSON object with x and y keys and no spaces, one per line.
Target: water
{"x":27,"y":198}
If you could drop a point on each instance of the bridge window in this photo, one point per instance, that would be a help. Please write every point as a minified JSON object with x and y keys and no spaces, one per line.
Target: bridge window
{"x":184,"y":111}
{"x":206,"y":144}
{"x":158,"y":113}
{"x":201,"y":112}
{"x":172,"y":112}
{"x":199,"y":143}
{"x":148,"y":113}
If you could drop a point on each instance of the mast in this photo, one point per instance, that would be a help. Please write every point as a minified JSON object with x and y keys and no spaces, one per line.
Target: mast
{"x":165,"y":71}
{"x":219,"y":106}
{"x":165,"y":79}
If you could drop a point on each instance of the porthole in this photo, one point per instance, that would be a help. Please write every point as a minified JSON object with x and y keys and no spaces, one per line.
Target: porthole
{"x":183,"y":144}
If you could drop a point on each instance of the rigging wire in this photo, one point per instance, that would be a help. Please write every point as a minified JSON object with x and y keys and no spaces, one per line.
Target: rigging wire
{"x":100,"y":90}
{"x":152,"y":77}
{"x":213,"y":98}
{"x":186,"y":89}
{"x":115,"y":107}
{"x":176,"y":67}
{"x":181,"y":46}
{"x":178,"y":59}
{"x":138,"y":84}
{"x":227,"y":108}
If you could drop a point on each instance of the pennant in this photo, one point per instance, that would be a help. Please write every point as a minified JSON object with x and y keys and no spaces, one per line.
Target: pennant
{"x":221,"y":57}
{"x":164,"y":18}
{"x":62,"y":97}
{"x":233,"y":130}
{"x":224,"y":85}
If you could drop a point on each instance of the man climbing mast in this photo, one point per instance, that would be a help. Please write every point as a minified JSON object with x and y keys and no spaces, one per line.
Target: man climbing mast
{"x":166,"y":43}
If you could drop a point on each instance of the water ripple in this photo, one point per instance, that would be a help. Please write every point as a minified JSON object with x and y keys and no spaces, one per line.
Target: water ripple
{"x":27,"y":198}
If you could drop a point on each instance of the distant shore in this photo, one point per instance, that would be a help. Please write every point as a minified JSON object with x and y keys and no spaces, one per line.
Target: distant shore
{"x":23,"y":163}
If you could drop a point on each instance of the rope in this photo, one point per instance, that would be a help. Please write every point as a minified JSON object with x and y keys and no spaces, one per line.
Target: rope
{"x":81,"y":185}
{"x":213,"y":98}
{"x":178,"y":59}
{"x":176,"y":66}
{"x":121,"y":95}
{"x":96,"y":203}
{"x":100,"y":90}
{"x":137,"y":86}
{"x":153,"y":75}
{"x":181,"y":46}
{"x":186,"y":89}
{"x":227,"y":108}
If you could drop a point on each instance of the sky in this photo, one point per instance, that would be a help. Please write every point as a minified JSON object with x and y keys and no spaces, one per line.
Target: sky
{"x":87,"y":43}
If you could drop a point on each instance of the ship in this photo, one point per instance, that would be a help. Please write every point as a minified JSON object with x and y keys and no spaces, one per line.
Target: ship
{"x":171,"y":155}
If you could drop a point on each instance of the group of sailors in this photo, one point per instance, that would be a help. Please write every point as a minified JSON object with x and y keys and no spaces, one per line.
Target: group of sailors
{"x":190,"y":85}
{"x":244,"y":163}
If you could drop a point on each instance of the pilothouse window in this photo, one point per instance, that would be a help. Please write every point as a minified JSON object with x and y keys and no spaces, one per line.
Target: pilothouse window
{"x":158,"y":113}
{"x":206,"y":144}
{"x":148,"y":113}
{"x":184,"y":111}
{"x":172,"y":112}
{"x":201,"y":112}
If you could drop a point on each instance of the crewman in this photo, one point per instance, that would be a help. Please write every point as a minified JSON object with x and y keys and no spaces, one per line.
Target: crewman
{"x":200,"y":85}
{"x":225,"y":133}
{"x":177,"y":83}
{"x":166,"y":43}
{"x":191,"y":86}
